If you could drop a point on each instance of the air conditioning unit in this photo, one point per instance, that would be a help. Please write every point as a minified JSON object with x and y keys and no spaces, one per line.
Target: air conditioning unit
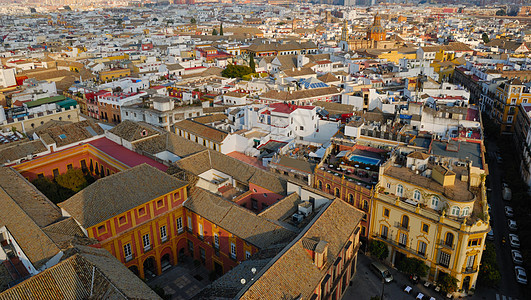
{"x":305,"y":208}
{"x":297,"y":218}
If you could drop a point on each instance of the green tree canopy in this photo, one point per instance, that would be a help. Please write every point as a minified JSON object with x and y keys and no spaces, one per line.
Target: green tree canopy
{"x":214,"y":32}
{"x":489,"y":273}
{"x":221,"y":29}
{"x":500,"y":12}
{"x":193,"y":20}
{"x":447,"y":282}
{"x":252,"y":64}
{"x":485,"y":37}
{"x":73,"y":180}
{"x":236,"y":71}
{"x":378,"y":249}
{"x":413,"y":266}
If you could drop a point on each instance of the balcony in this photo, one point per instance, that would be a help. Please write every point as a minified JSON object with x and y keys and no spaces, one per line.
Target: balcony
{"x":470,"y":270}
{"x":446,"y":245}
{"x":391,"y":241}
{"x":401,"y":226}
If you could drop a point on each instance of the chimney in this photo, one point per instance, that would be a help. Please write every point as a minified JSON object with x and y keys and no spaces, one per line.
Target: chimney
{"x":321,"y":252}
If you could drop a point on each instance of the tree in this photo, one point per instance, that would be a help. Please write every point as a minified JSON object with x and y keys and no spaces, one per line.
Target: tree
{"x":193,"y":20}
{"x":378,"y":249}
{"x":235,"y":71}
{"x":500,"y":12}
{"x":252,"y":65}
{"x":489,"y":274}
{"x":214,"y":32}
{"x":485,"y":37}
{"x":155,"y":20}
{"x":413,"y":266}
{"x":73,"y":180}
{"x":221,"y":29}
{"x":447,"y":282}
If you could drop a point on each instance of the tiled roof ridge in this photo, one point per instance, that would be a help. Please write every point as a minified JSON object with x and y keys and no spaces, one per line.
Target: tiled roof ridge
{"x":30,"y":185}
{"x":298,"y":238}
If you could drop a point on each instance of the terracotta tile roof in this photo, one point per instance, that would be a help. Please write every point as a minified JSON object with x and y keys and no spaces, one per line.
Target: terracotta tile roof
{"x":66,"y":134}
{"x":237,"y":220}
{"x":328,"y":77}
{"x":133,"y":131}
{"x":210,"y":118}
{"x":201,"y":130}
{"x":301,"y":94}
{"x":292,"y":273}
{"x":119,"y":193}
{"x":334,"y":107}
{"x":283,"y":208}
{"x":16,"y":150}
{"x":298,"y":72}
{"x":89,"y":269}
{"x":240,"y":171}
{"x":171,"y":142}
{"x":25,"y":211}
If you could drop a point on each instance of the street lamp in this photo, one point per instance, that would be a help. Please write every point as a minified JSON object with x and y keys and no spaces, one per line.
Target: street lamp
{"x":383,"y":285}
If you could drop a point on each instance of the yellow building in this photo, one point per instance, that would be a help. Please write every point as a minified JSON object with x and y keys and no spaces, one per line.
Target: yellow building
{"x":509,"y":95}
{"x":433,"y":214}
{"x":112,"y":74}
{"x":395,"y":55}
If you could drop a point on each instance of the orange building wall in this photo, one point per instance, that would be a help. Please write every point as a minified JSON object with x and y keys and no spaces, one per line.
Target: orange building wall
{"x":60,"y":160}
{"x":130,"y":226}
{"x":360,"y":194}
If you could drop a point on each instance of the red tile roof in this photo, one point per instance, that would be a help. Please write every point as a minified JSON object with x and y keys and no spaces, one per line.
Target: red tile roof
{"x":125,"y":155}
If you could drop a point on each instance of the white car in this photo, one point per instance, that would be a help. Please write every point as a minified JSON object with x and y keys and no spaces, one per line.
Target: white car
{"x":514,"y":240}
{"x":521,"y":276}
{"x":512,"y":225}
{"x":509,"y":212}
{"x":517,"y":257}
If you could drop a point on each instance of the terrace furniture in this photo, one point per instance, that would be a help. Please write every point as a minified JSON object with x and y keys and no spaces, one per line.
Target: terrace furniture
{"x":420,"y":296}
{"x":408,"y":289}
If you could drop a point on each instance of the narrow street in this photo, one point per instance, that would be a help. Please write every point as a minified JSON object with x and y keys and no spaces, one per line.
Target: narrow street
{"x":508,"y":286}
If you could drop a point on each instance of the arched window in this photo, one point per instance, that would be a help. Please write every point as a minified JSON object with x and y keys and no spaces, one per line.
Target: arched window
{"x":320,"y":184}
{"x":455,"y":211}
{"x":416,"y":195}
{"x":434,"y":202}
{"x":449,"y":240}
{"x":365,"y":205}
{"x":350,"y":198}
{"x":327,"y":187}
{"x":336,"y":192}
{"x":399,"y":190}
{"x":405,"y":221}
{"x":465,"y":211}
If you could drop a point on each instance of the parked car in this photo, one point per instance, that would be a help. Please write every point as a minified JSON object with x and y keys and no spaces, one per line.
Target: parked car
{"x":382,"y":271}
{"x":517,"y":257}
{"x":514,"y":240}
{"x":509,"y":211}
{"x":512,"y":225}
{"x":490,"y":235}
{"x":507,"y":194}
{"x":521,"y":276}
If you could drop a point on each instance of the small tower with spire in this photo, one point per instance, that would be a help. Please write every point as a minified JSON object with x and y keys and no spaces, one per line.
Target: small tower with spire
{"x":344,"y":31}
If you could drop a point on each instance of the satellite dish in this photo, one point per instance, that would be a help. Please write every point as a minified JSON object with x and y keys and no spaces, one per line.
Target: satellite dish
{"x":253,"y":270}
{"x":243,"y":281}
